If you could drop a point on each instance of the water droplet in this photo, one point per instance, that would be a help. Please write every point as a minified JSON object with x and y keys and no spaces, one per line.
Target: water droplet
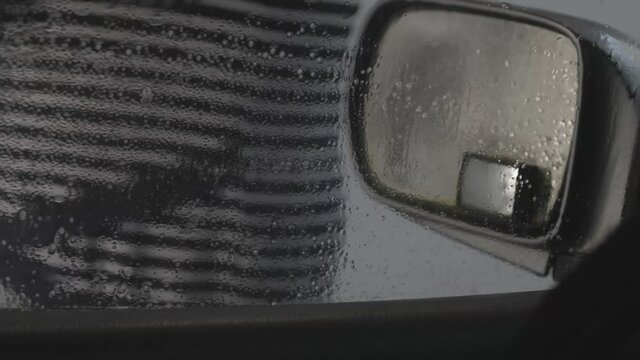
{"x":146,"y":96}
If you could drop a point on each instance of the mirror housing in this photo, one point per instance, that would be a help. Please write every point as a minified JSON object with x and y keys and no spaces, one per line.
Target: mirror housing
{"x":507,"y":142}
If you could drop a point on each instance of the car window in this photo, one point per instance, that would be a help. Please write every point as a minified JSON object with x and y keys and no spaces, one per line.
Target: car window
{"x":195,"y":153}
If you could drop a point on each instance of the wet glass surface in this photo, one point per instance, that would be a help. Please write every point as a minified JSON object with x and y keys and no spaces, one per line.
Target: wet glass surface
{"x":193,"y":153}
{"x":448,"y":86}
{"x":169,"y":155}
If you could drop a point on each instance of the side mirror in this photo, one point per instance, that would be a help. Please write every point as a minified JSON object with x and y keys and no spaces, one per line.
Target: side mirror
{"x":512,"y":131}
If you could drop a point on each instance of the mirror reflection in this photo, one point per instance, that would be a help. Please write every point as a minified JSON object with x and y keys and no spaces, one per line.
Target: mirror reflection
{"x":447,"y":86}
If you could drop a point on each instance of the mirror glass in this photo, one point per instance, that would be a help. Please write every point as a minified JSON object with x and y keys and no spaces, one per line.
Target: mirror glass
{"x":472,"y":116}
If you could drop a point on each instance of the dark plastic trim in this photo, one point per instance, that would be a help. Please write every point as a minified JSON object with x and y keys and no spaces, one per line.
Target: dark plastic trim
{"x":457,"y":327}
